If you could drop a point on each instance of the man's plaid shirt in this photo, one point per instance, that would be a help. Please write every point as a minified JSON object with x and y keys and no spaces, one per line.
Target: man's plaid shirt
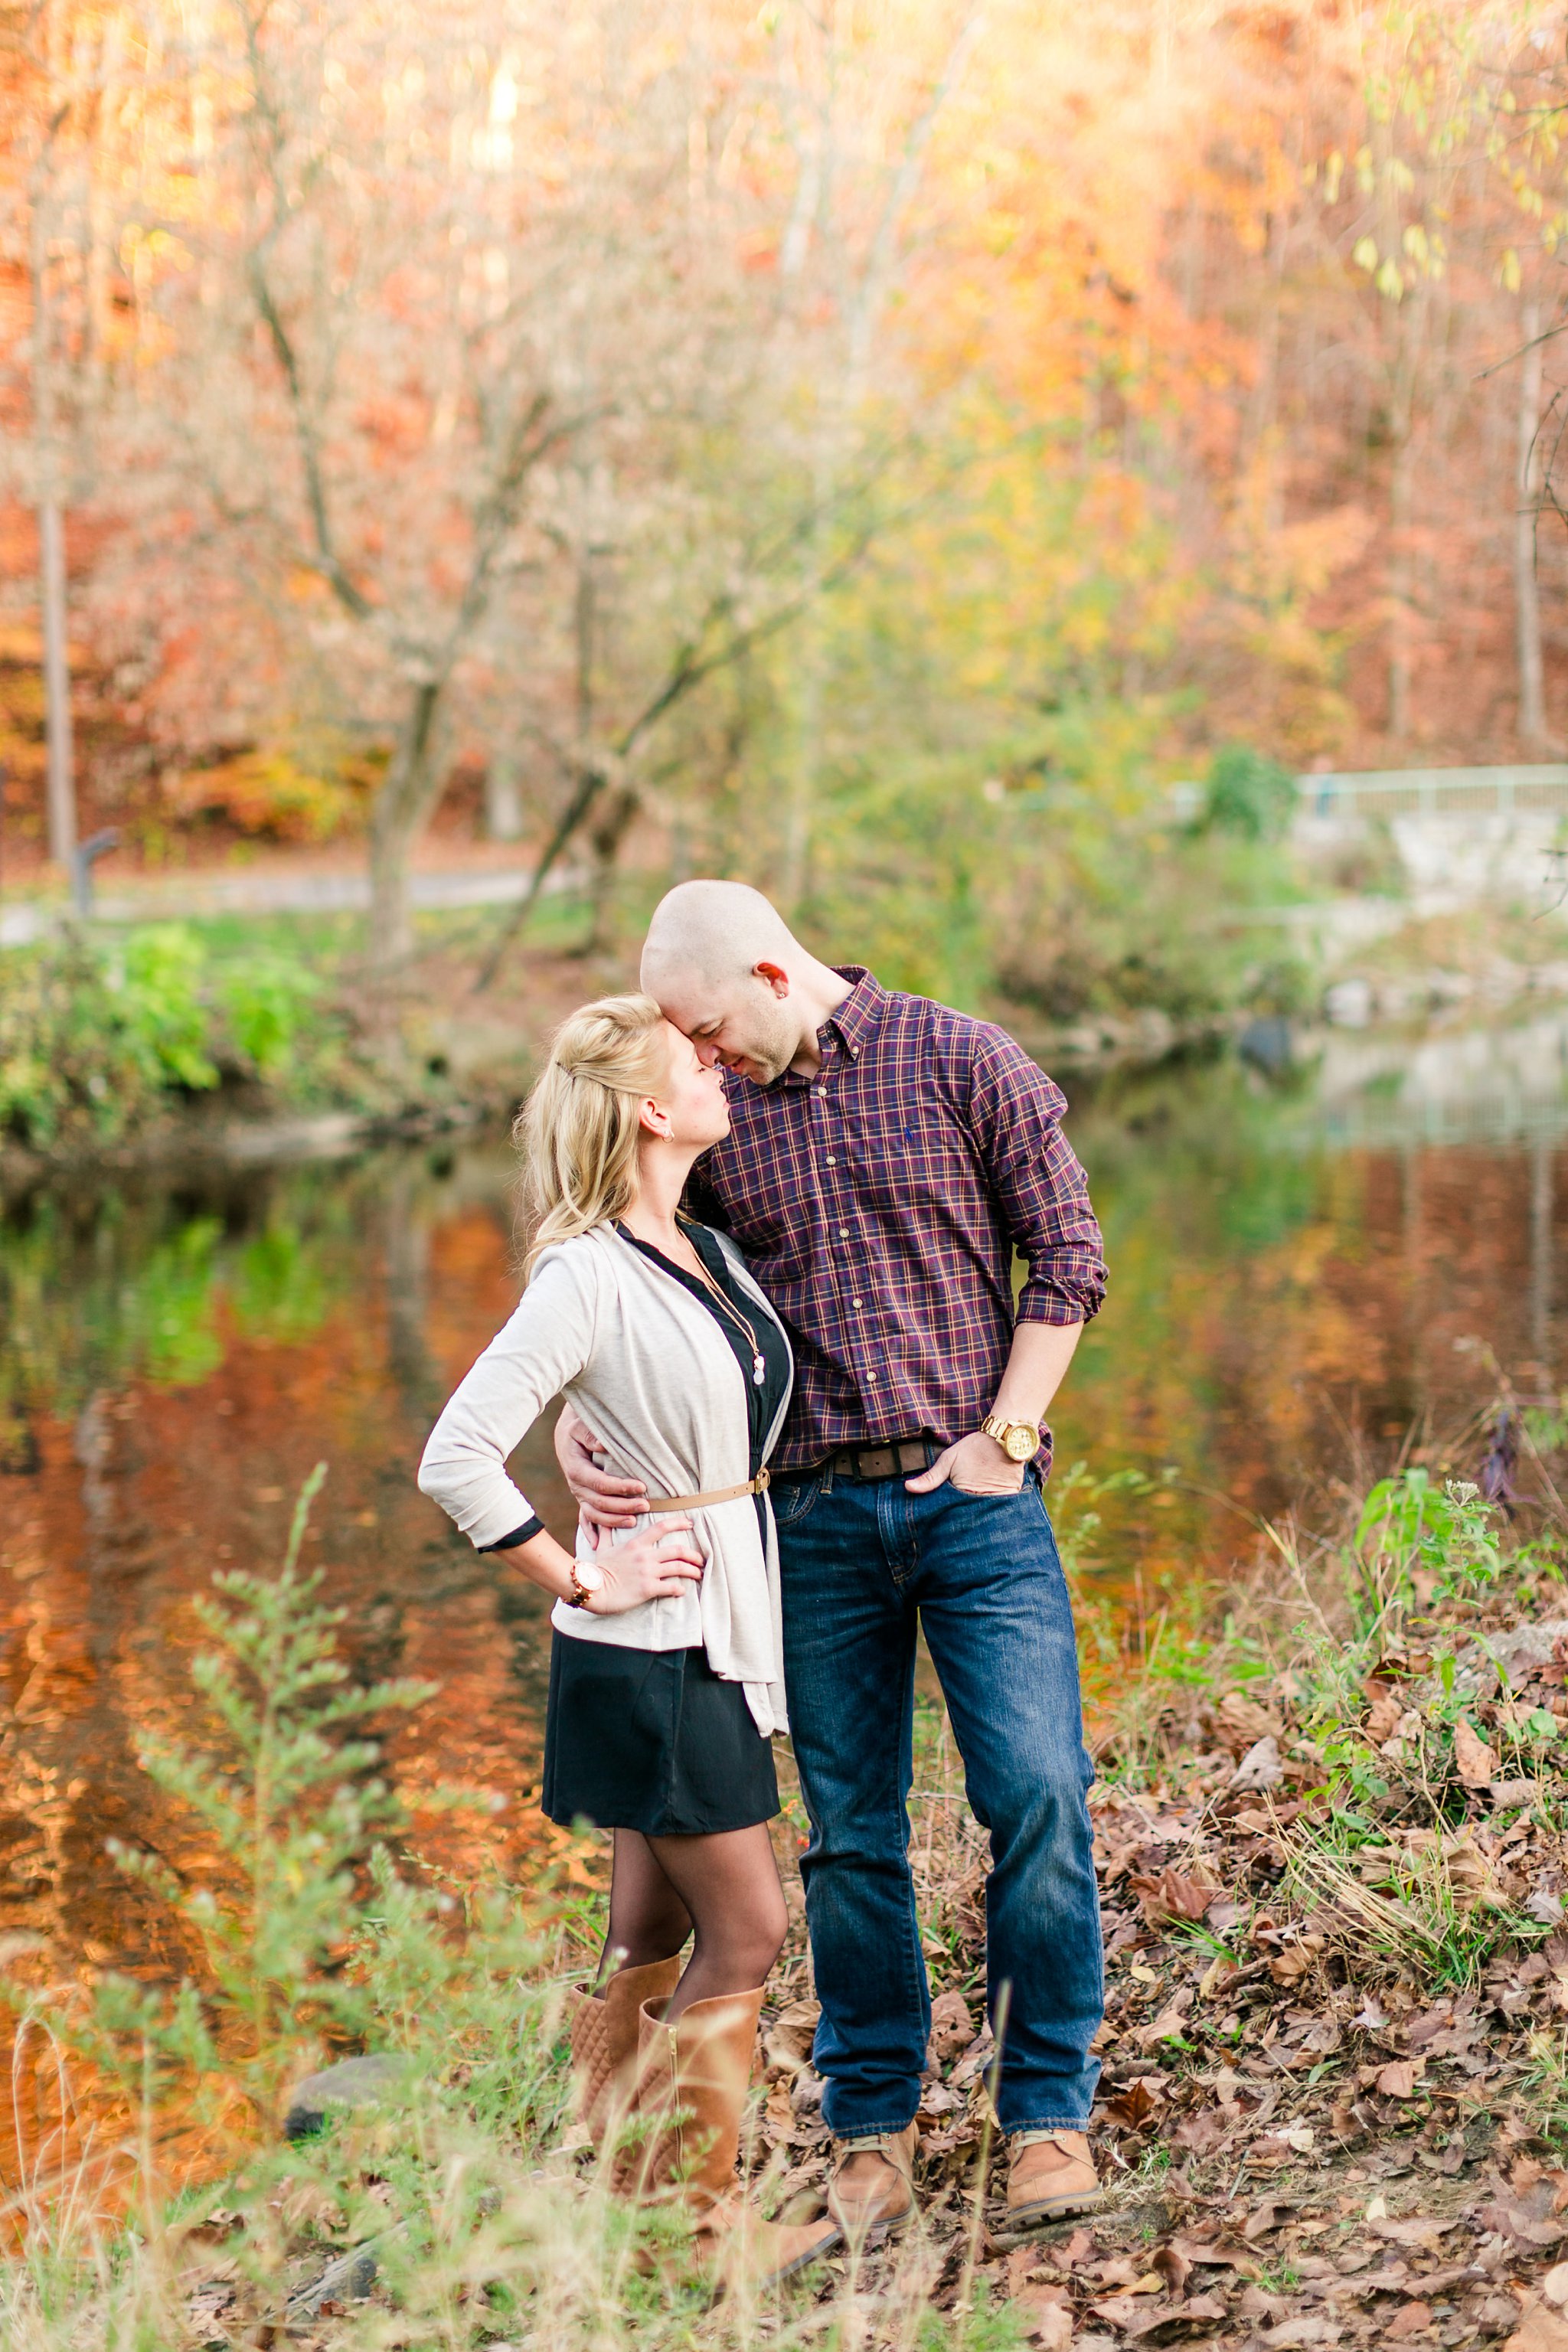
{"x":880,"y":1205}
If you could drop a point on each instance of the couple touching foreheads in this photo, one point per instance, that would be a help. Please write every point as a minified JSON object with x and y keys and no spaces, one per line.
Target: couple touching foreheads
{"x":775,"y":1209}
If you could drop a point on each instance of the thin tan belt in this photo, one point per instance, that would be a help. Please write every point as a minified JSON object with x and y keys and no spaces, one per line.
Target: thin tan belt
{"x":757,"y":1485}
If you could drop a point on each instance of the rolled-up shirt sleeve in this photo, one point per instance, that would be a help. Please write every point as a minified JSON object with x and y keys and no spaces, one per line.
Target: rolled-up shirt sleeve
{"x":546,"y":1343}
{"x":1038,"y":1182}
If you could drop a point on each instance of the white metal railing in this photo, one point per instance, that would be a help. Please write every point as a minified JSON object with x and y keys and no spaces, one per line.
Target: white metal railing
{"x":1436,"y":791}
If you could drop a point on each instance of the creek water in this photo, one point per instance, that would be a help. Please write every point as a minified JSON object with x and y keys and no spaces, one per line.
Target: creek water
{"x":1304,"y":1269}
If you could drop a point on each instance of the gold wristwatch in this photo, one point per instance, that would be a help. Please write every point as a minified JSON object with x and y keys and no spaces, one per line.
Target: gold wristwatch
{"x":1019,"y":1440}
{"x":586,"y":1580}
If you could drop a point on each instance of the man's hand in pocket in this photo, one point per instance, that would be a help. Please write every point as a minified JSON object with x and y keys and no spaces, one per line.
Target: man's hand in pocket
{"x":976,"y":1465}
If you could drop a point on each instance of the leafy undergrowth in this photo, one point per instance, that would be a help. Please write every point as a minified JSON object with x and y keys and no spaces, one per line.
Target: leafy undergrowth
{"x":1335,"y":2107}
{"x":105,"y":1039}
{"x":1335,"y":2099}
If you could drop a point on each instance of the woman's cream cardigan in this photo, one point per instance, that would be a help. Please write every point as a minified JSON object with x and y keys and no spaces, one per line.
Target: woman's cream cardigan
{"x":652,"y":1374}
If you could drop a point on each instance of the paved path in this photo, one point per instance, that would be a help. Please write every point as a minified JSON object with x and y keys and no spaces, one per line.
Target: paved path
{"x":271,"y":890}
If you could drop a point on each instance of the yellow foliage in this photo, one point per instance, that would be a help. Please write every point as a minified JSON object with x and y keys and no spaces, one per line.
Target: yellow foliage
{"x":269,"y":793}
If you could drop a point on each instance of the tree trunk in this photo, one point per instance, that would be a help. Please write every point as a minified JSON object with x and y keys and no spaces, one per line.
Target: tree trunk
{"x":606,"y":836}
{"x":56,"y":685}
{"x":503,"y":797}
{"x":403,"y":808}
{"x":1526,"y":587}
{"x":1410,"y":330}
{"x":800,"y":808}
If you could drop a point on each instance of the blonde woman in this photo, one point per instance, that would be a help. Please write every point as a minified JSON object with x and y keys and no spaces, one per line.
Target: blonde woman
{"x":665,"y":1686}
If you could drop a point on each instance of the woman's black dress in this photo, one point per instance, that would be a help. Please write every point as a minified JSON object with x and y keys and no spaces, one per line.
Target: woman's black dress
{"x":651,"y":1739}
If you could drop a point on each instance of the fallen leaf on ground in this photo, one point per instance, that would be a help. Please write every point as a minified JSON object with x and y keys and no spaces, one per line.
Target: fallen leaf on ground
{"x":1413,"y":2228}
{"x":1197,"y":2134}
{"x":1173,"y":1894}
{"x":1540,"y":2330}
{"x":1383,"y":1711}
{"x":952,"y":2028}
{"x":1243,"y":1722}
{"x":1169,"y":2022}
{"x":1512,"y":2219}
{"x":1414,"y":2319}
{"x":1174,"y":2266}
{"x":1045,"y":2311}
{"x":1132,"y":2107}
{"x":1398,"y":2079}
{"x":1262,"y":2218}
{"x":1473,"y":1760}
{"x":789,"y":2038}
{"x":1260,"y":1768}
{"x":1132,"y":2318}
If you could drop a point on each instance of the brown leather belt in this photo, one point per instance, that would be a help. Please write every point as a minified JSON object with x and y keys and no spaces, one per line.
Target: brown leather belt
{"x":757,"y":1485}
{"x":902,"y":1459}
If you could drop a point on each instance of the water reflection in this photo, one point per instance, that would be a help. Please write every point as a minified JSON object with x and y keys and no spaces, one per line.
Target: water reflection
{"x":172,"y":1363}
{"x":1292,"y":1289}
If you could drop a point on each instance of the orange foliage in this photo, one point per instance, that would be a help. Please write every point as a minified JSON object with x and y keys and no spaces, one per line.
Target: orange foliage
{"x":1256,"y":278}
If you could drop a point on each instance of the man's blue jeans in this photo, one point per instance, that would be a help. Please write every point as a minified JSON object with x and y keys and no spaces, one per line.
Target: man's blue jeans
{"x":861,"y":1563}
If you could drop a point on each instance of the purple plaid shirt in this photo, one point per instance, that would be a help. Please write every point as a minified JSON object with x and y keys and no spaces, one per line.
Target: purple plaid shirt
{"x":880,"y":1205}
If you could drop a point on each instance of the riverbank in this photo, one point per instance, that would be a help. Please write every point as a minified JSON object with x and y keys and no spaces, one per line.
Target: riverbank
{"x":253,"y":1040}
{"x":1329,"y":1836}
{"x":245,"y":1041}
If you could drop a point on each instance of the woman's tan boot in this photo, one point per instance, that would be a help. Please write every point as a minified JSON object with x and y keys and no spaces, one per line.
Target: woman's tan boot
{"x":604,"y":2035}
{"x":694,"y":2074}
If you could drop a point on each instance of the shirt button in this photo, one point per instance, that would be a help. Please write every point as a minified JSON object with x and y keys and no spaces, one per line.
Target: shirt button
{"x":853,"y":1302}
{"x":830,"y":1161}
{"x":843,"y":1233}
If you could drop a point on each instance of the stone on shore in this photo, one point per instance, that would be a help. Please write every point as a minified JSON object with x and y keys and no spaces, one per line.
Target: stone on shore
{"x":353,"y":2083}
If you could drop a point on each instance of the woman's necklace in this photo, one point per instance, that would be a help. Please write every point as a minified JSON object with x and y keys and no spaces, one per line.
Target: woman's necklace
{"x":759,"y":1368}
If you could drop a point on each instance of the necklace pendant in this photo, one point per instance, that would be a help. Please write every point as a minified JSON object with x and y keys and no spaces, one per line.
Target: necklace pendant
{"x":759,"y":1371}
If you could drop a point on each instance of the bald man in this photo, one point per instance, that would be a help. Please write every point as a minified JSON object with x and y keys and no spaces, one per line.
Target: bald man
{"x":888,"y":1160}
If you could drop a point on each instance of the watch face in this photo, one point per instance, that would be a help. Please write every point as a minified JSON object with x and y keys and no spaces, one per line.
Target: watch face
{"x":590,"y":1578}
{"x":1021,"y":1443}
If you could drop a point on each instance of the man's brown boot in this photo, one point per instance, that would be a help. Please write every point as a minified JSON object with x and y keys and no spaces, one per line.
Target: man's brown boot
{"x":872,"y":2193}
{"x":693,"y":2075}
{"x":604,"y":2035}
{"x":1051,"y":2177}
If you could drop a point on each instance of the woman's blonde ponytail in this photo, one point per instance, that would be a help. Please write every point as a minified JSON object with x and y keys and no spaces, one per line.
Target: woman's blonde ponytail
{"x":577,"y":1132}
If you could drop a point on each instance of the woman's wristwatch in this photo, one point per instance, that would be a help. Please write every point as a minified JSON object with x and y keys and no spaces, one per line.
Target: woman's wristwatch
{"x":587,"y":1579}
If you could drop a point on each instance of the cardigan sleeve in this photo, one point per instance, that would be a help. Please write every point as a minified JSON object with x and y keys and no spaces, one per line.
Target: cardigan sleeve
{"x":546,"y":1344}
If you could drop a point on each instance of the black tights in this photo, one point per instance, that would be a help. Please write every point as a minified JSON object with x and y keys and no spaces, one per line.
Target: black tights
{"x":722,"y":1889}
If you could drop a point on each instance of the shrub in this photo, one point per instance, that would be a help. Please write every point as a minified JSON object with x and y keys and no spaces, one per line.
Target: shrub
{"x":1248,"y":794}
{"x":266,"y":999}
{"x":158,"y":977}
{"x":87,"y":1047}
{"x":94,"y":1037}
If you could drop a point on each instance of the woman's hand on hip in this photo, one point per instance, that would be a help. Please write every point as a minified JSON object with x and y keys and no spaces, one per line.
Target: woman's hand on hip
{"x":657,"y":1565}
